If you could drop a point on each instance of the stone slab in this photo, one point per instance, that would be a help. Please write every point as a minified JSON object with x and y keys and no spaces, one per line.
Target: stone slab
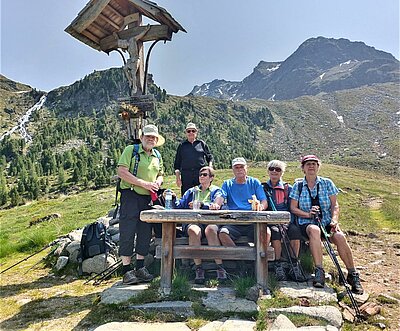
{"x":304,"y":290}
{"x":224,"y":299}
{"x":136,"y":326}
{"x":181,"y":308}
{"x":119,"y":293}
{"x":231,"y":324}
{"x":329,"y":313}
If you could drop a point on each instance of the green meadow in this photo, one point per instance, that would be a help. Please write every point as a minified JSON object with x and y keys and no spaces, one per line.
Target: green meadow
{"x":369,"y":201}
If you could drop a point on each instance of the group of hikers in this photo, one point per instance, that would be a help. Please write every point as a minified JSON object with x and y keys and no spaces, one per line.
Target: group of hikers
{"x":310,"y":200}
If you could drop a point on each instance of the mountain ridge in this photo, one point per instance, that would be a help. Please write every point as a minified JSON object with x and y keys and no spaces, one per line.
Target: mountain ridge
{"x":318,"y":65}
{"x":79,"y":124}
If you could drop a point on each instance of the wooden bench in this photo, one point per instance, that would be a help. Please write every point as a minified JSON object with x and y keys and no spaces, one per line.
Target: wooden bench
{"x":184,"y":241}
{"x":171,"y":250}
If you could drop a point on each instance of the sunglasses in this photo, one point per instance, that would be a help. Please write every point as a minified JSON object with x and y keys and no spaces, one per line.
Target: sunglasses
{"x":203,"y":174}
{"x":191,"y":131}
{"x":274,"y":169}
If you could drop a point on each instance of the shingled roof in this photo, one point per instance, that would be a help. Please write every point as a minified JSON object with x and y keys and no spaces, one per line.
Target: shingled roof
{"x":99,"y":20}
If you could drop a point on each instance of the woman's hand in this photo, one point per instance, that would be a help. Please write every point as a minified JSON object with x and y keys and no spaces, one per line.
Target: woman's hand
{"x":334,"y":227}
{"x":314,"y":212}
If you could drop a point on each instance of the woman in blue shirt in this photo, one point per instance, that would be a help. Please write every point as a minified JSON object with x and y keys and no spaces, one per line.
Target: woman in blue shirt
{"x":205,"y":194}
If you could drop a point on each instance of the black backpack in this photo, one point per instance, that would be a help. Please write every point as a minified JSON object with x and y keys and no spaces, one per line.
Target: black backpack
{"x":95,"y":240}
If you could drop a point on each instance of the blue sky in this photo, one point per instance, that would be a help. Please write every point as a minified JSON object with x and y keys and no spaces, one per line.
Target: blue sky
{"x":226,"y":39}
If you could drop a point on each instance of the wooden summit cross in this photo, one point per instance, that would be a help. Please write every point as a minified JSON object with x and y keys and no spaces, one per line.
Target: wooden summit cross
{"x":116,"y":25}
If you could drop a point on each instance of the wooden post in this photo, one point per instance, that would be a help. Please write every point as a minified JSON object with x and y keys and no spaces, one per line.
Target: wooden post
{"x":167,"y":257}
{"x":261,"y":254}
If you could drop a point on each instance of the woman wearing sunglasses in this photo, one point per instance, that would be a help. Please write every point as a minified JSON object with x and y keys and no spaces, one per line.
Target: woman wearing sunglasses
{"x":191,"y":155}
{"x":204,"y":194}
{"x":277,"y":192}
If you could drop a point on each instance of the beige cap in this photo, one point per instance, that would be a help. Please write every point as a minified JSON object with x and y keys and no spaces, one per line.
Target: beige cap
{"x":238,"y":160}
{"x":191,"y":126}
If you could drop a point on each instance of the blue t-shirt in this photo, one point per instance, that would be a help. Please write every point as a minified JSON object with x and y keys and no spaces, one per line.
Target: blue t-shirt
{"x":326,"y":189}
{"x":238,"y":195}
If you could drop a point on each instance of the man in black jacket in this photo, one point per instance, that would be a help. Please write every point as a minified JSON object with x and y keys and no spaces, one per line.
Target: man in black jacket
{"x":191,"y":156}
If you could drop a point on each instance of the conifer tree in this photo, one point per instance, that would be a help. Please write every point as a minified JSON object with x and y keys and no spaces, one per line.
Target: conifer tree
{"x":3,"y":188}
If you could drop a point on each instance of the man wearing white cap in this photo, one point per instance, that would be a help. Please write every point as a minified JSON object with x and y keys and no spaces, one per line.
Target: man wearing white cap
{"x":191,"y":155}
{"x":238,"y":192}
{"x":141,"y":173}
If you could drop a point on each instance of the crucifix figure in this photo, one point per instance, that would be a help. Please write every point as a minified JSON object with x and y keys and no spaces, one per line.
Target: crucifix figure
{"x":133,"y":63}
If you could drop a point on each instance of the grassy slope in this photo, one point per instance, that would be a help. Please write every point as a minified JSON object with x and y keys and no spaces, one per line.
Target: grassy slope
{"x":38,"y":300}
{"x":360,"y":187}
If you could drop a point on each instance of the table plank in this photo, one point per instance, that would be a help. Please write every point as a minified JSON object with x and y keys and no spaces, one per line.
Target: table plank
{"x":214,"y":216}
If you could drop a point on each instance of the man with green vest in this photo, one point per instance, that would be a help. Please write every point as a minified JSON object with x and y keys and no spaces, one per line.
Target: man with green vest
{"x":141,"y":174}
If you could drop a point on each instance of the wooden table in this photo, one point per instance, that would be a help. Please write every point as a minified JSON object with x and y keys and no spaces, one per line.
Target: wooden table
{"x":170,"y":251}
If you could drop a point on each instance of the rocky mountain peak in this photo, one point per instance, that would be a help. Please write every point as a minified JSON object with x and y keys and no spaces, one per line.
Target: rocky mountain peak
{"x":318,"y":65}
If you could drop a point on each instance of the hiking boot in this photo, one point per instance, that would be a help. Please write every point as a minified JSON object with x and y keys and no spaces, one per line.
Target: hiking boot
{"x":129,"y":278}
{"x":199,"y":276}
{"x":354,"y":280}
{"x":280,"y":273}
{"x":295,"y":273}
{"x":319,"y":278}
{"x":221,"y":274}
{"x":143,"y":275}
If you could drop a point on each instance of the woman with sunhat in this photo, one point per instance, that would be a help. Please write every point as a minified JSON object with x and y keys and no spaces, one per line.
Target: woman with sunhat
{"x":316,"y":197}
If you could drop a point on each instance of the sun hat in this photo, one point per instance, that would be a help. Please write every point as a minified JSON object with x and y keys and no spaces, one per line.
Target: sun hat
{"x":310,"y":157}
{"x":152,"y":130}
{"x":238,"y":160}
{"x":191,"y":126}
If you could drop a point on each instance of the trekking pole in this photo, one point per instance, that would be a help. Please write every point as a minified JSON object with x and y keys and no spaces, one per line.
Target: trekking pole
{"x":284,"y":238}
{"x":289,"y":250}
{"x":28,"y":257}
{"x":109,"y":273}
{"x":102,"y":272}
{"x":41,"y":260}
{"x":332,"y":254}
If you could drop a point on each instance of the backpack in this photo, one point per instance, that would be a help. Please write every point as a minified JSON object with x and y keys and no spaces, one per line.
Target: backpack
{"x":95,"y":240}
{"x":136,"y":156}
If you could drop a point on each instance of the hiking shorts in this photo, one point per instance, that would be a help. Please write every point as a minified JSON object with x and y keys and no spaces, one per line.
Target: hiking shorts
{"x":292,"y":230}
{"x":130,"y":224}
{"x":202,"y":227}
{"x":235,"y":231}
{"x":303,"y":229}
{"x":275,"y":233}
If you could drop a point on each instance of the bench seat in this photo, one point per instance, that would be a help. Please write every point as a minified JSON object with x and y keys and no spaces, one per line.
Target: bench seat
{"x":245,"y":250}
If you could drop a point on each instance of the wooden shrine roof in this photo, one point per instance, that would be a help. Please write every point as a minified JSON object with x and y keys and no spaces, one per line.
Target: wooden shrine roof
{"x":97,"y":23}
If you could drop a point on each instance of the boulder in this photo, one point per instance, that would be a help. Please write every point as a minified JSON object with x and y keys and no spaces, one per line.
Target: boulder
{"x":73,"y":251}
{"x":97,"y":263}
{"x":61,"y":262}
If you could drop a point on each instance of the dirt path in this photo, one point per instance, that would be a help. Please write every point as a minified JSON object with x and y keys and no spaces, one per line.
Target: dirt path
{"x":378,"y":259}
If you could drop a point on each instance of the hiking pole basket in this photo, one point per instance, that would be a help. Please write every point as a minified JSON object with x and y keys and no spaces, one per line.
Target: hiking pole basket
{"x":332,"y":255}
